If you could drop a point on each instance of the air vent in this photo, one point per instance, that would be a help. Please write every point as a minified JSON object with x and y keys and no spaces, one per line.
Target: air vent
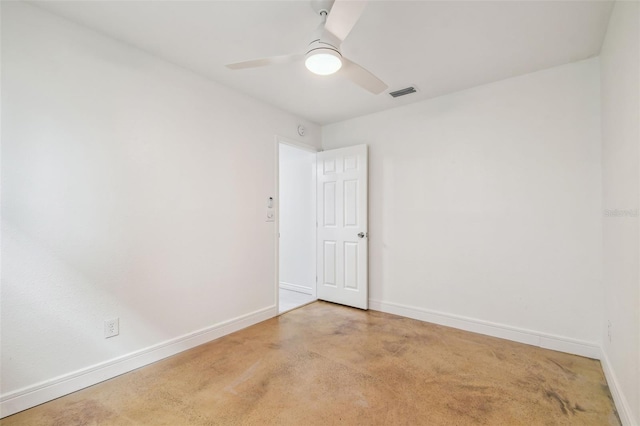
{"x":403,"y":92}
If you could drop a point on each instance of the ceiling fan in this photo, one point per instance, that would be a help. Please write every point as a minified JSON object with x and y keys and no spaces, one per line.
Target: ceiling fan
{"x":323,"y":56}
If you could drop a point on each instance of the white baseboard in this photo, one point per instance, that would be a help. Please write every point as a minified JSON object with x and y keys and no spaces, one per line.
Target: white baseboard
{"x":296,"y":287}
{"x":622,"y":405}
{"x":530,"y":337}
{"x":39,"y":393}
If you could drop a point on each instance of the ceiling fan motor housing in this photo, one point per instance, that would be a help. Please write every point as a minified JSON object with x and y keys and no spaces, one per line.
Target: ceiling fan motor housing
{"x":323,"y":42}
{"x":323,"y":55}
{"x":320,"y":45}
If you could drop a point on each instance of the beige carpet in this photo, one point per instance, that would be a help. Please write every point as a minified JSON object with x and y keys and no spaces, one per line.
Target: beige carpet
{"x":326,"y":364}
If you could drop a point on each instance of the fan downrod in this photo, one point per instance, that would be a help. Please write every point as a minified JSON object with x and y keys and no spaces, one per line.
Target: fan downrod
{"x":322,"y":6}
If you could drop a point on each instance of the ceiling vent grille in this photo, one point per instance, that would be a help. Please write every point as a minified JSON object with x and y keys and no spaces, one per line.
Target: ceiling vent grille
{"x":403,"y":92}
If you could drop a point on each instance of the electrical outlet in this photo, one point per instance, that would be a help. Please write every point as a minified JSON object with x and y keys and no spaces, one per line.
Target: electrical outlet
{"x":111,"y":327}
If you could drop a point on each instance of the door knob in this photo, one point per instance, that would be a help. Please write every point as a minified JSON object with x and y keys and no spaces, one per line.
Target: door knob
{"x":361,"y":234}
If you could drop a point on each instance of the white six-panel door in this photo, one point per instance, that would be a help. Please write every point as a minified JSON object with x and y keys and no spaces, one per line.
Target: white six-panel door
{"x":342,"y":226}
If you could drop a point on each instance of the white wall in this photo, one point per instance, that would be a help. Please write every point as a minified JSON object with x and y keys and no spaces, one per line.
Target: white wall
{"x":485,"y":207}
{"x":131,"y":188}
{"x":297,"y":219}
{"x":620,"y":59}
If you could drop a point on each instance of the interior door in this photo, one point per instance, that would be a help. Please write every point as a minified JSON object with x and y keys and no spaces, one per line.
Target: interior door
{"x":342,"y":226}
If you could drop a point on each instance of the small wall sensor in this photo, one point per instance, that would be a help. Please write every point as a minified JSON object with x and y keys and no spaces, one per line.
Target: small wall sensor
{"x":301,"y":130}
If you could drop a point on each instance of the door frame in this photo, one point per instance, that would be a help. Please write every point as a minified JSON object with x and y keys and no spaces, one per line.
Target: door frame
{"x":306,"y":147}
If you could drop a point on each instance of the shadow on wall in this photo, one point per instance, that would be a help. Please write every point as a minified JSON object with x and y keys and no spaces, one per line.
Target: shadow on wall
{"x":52,"y":314}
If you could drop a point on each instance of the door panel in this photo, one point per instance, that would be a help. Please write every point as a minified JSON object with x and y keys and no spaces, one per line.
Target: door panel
{"x":329,"y":196}
{"x":329,"y":263}
{"x":342,"y":212}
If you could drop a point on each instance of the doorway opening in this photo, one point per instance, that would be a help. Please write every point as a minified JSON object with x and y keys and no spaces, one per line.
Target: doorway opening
{"x":297,"y":226}
{"x":322,"y":244}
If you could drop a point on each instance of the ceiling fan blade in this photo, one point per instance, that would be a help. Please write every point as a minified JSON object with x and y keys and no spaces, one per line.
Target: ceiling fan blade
{"x":343,"y":16}
{"x":274,"y":60}
{"x":362,"y":77}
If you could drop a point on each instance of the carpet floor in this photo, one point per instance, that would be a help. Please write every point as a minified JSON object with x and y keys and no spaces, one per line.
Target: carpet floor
{"x":327,"y":364}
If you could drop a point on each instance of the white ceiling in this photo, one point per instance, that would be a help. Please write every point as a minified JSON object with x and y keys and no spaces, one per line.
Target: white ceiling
{"x":437,"y":46}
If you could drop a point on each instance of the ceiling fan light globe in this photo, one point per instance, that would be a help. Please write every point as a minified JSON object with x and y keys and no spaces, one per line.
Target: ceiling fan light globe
{"x":323,"y":61}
